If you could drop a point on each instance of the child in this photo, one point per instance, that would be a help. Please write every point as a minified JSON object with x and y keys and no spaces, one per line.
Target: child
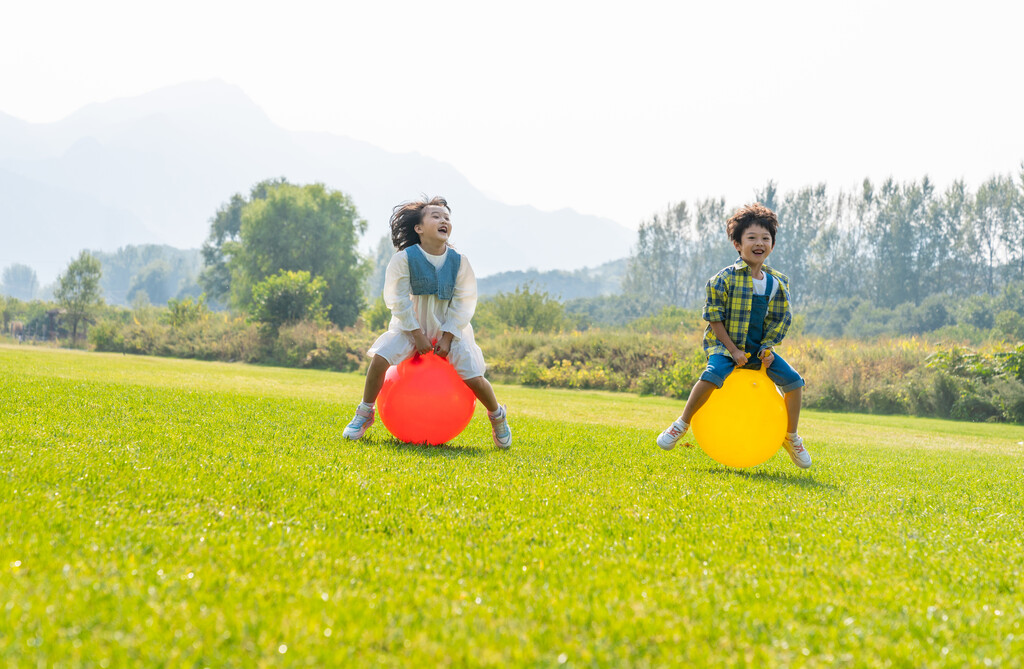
{"x":431,"y":291}
{"x":748,"y":313}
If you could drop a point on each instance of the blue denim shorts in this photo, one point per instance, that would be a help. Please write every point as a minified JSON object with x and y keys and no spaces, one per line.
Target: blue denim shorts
{"x":781,"y":374}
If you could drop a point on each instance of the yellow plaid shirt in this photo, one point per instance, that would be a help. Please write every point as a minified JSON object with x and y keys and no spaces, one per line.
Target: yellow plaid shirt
{"x":730,"y":296}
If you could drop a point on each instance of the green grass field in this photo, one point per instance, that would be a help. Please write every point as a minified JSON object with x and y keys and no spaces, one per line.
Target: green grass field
{"x":179,"y":513}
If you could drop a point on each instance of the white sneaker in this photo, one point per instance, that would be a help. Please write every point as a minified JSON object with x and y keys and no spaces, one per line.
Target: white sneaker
{"x":671,"y":436}
{"x":361,"y":422}
{"x":502,"y":432}
{"x":797,"y":453}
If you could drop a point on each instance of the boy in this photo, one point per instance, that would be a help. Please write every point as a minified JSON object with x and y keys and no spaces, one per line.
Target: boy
{"x":748,"y":313}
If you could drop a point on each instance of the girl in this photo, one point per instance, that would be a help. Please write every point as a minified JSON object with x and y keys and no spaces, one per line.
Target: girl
{"x":431,"y":291}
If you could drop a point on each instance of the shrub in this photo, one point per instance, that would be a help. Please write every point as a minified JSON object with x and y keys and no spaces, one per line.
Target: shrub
{"x":185,"y":312}
{"x":525,"y":309}
{"x":377,"y":316}
{"x":885,"y":400}
{"x":289,"y":297}
{"x":1010,"y":324}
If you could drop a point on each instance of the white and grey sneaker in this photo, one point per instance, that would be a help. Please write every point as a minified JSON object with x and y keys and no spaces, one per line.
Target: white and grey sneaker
{"x":499,"y":425}
{"x":360,"y":423}
{"x":672,"y":434}
{"x":797,"y":453}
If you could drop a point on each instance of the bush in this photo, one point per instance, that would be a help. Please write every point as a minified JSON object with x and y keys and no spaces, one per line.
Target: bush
{"x":377,"y":317}
{"x":525,"y":309}
{"x":186,"y":312}
{"x":1010,"y":324}
{"x":107,"y":336}
{"x":885,"y":400}
{"x":289,"y":297}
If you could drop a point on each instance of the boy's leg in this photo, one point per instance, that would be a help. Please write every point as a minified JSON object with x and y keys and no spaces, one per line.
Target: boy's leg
{"x":699,"y":394}
{"x":363,"y":419}
{"x":793,"y":444}
{"x":719,"y":367}
{"x":791,"y":384}
{"x":793,"y":400}
{"x":484,"y":392}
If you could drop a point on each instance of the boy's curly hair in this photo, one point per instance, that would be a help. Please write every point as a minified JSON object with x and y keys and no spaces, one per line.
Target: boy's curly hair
{"x":751,"y":214}
{"x":406,"y":216}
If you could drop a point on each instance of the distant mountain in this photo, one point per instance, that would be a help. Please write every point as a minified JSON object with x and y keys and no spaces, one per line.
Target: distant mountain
{"x":564,"y":285}
{"x":155,"y":168}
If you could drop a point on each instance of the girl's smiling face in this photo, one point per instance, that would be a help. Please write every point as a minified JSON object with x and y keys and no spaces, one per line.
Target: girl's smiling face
{"x":755,"y":245}
{"x":434,"y":227}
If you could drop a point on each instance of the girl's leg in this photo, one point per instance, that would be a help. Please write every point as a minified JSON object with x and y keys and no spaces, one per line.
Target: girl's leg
{"x":375,"y":379}
{"x":363,"y":419}
{"x":496,"y":413}
{"x":483,"y":391}
{"x":793,"y":400}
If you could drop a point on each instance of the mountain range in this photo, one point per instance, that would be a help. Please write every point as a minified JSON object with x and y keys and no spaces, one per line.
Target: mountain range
{"x":155,"y":168}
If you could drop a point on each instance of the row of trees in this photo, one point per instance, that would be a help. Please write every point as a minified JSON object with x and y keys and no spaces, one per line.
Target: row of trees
{"x":892,"y":244}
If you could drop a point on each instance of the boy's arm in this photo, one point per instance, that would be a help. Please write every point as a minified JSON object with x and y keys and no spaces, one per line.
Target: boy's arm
{"x":738,"y":355}
{"x":778,"y":319}
{"x":717,"y":292}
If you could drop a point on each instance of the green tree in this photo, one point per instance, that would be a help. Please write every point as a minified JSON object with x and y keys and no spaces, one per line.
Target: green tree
{"x":657,"y":270}
{"x":78,"y":290}
{"x":19,"y":281}
{"x":943,"y":257}
{"x":156,"y":281}
{"x":378,"y":267}
{"x":226,"y":228}
{"x":1011,"y":229}
{"x":289,"y":297}
{"x":993,"y":206}
{"x":300,"y":228}
{"x":803,"y":216}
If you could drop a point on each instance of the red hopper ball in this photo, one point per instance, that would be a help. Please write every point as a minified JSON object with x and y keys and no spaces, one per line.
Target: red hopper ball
{"x":423,"y":401}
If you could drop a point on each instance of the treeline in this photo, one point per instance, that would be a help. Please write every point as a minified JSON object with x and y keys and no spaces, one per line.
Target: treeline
{"x":888,"y":245}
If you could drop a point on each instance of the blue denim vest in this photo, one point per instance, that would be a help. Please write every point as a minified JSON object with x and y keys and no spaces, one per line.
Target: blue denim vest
{"x":427,"y":279}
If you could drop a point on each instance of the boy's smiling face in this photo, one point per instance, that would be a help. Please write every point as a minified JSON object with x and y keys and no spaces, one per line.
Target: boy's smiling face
{"x":435,"y":226}
{"x":755,"y":245}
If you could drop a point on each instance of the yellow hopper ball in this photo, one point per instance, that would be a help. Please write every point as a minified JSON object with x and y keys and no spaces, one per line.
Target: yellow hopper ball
{"x":743,"y":423}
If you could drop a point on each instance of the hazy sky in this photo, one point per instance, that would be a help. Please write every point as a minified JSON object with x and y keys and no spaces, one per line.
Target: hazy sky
{"x":608,"y":108}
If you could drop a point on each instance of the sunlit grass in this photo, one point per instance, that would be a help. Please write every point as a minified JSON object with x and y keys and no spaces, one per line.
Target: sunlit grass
{"x":169,"y":512}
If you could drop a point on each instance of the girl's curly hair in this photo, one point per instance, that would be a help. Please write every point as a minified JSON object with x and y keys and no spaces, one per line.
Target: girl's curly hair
{"x":406,"y":216}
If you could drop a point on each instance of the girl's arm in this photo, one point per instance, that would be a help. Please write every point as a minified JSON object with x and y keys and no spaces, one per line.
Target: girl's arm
{"x":397,"y":296}
{"x":463,"y":303}
{"x":398,"y":292}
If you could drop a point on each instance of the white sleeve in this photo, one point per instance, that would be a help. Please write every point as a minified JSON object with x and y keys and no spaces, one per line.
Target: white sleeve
{"x":463,"y":304}
{"x":398,"y":291}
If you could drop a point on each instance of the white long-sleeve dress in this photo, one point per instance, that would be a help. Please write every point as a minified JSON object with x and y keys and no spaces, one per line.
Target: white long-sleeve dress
{"x":431,"y":314}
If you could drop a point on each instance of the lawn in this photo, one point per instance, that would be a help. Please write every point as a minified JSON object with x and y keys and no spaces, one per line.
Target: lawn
{"x":181,"y":513}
